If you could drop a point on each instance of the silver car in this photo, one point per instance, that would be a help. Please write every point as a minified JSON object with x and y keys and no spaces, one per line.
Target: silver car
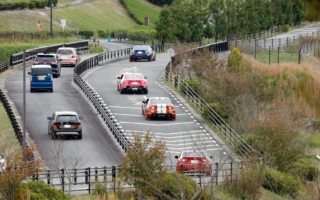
{"x":63,"y":123}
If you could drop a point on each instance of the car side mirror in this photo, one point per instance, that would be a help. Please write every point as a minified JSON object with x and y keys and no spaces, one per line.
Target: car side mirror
{"x":211,"y":157}
{"x":49,"y":118}
{"x":145,"y":77}
{"x":80,"y":117}
{"x":176,"y":157}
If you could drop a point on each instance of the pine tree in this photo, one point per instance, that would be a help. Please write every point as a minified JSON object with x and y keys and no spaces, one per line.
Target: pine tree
{"x":218,"y":18}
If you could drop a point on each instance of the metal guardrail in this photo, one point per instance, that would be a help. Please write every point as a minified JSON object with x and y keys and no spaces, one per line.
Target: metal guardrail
{"x":15,"y":124}
{"x":18,"y":58}
{"x":4,"y":65}
{"x":220,"y":125}
{"x":155,"y":44}
{"x":84,"y":179}
{"x":94,"y":97}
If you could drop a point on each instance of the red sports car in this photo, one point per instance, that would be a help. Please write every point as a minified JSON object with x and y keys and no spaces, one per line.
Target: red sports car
{"x":132,"y":82}
{"x":194,"y":162}
{"x":158,"y":107}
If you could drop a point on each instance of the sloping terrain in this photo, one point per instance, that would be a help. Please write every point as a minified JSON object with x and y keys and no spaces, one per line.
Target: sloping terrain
{"x":79,"y":15}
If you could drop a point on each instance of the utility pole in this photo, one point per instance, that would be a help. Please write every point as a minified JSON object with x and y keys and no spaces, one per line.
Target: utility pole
{"x":50,"y":17}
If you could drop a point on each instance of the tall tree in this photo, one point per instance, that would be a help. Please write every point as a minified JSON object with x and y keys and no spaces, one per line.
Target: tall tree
{"x":232,"y":16}
{"x":265,"y":14}
{"x":195,"y":25}
{"x":165,"y":26}
{"x":298,"y":10}
{"x":218,"y":18}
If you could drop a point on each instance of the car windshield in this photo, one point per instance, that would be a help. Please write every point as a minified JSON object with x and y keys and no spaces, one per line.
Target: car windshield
{"x":160,"y":101}
{"x":134,"y":76}
{"x":41,"y":71}
{"x":193,"y":154}
{"x":64,"y":51}
{"x":140,"y":48}
{"x":45,"y":57}
{"x":64,"y":118}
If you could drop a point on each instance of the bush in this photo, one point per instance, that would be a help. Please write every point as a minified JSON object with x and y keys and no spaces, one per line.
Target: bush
{"x":100,"y":189}
{"x":174,"y":182}
{"x":86,"y":34}
{"x":286,"y":28}
{"x":281,"y":183}
{"x":191,"y":84}
{"x":235,"y":59}
{"x":39,"y":191}
{"x":103,"y":34}
{"x":32,"y":4}
{"x":220,"y":109}
{"x":305,"y":170}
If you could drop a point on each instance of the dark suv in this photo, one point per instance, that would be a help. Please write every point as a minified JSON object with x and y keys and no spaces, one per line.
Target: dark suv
{"x":49,"y":59}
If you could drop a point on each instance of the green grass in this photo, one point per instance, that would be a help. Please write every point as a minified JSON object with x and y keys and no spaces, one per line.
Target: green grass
{"x":140,"y":10}
{"x":95,"y":15}
{"x":284,"y":57}
{"x":7,"y":48}
{"x":8,"y":142}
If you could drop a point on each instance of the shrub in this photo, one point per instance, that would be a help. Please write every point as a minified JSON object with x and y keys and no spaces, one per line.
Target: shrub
{"x":104,"y":34}
{"x":39,"y":191}
{"x":98,"y":49}
{"x":281,"y":183}
{"x":305,"y":170}
{"x":174,"y":182}
{"x":191,"y":84}
{"x":32,"y":4}
{"x":86,"y":34}
{"x":286,"y":28}
{"x":220,"y":109}
{"x":100,"y":189}
{"x":234,"y":60}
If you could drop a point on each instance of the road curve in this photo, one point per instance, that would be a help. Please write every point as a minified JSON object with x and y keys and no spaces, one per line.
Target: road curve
{"x":186,"y":133}
{"x":96,"y":149}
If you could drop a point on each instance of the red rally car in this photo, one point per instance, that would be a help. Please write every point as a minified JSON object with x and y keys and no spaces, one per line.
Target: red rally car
{"x":194,"y":162}
{"x":132,"y":82}
{"x":158,"y":107}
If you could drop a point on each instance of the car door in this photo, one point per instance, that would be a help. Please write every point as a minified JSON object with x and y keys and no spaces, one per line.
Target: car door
{"x":119,"y":81}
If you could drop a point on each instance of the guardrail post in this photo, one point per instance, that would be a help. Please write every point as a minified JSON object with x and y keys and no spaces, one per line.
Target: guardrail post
{"x":105,"y":174}
{"x":62,"y":179}
{"x":114,"y":178}
{"x":75,"y":176}
{"x":96,"y":174}
{"x":48,"y":177}
{"x":176,"y":81}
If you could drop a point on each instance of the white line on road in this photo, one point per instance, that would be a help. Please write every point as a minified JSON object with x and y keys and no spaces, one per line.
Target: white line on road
{"x":173,"y":124}
{"x":125,"y":107}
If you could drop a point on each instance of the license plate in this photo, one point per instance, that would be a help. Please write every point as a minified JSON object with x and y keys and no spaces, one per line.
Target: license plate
{"x":134,"y":88}
{"x":139,"y":52}
{"x":67,"y":126}
{"x":41,"y":78}
{"x":194,"y":161}
{"x":134,"y":83}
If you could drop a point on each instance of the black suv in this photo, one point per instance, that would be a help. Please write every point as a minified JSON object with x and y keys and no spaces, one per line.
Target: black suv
{"x":49,"y":59}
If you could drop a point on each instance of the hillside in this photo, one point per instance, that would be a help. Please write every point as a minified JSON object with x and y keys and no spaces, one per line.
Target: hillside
{"x":79,"y":14}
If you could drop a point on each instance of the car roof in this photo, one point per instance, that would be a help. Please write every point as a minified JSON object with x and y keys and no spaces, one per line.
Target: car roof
{"x":66,"y":113}
{"x":131,"y":73}
{"x":67,"y":48}
{"x":141,"y":46}
{"x":41,"y":66}
{"x":159,"y":98}
{"x":47,"y":54}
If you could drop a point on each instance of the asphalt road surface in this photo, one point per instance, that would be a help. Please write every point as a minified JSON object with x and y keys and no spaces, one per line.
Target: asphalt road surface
{"x":96,"y":149}
{"x":185,"y":133}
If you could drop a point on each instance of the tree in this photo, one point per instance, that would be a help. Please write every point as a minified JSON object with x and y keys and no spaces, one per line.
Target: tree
{"x":218,"y":18}
{"x":143,"y":164}
{"x":195,"y":25}
{"x":14,"y":171}
{"x":165,"y":26}
{"x":298,"y":9}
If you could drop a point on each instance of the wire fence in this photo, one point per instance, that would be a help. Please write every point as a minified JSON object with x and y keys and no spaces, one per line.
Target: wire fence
{"x":84,"y":180}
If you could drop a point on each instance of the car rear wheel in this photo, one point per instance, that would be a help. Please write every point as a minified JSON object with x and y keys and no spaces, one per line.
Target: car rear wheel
{"x":51,"y":90}
{"x":122,"y":91}
{"x":80,"y":135}
{"x":31,"y":90}
{"x":145,"y":91}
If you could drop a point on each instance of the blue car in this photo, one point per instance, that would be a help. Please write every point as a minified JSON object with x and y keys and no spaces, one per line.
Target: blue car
{"x":142,"y":52}
{"x":41,"y":78}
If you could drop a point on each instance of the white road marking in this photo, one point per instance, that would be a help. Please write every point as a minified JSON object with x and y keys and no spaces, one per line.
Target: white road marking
{"x":127,"y":114}
{"x":171,"y":133}
{"x":172,"y":124}
{"x":124,"y":107}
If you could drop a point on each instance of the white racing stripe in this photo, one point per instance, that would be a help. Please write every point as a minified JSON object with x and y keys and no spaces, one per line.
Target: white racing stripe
{"x":161,"y":108}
